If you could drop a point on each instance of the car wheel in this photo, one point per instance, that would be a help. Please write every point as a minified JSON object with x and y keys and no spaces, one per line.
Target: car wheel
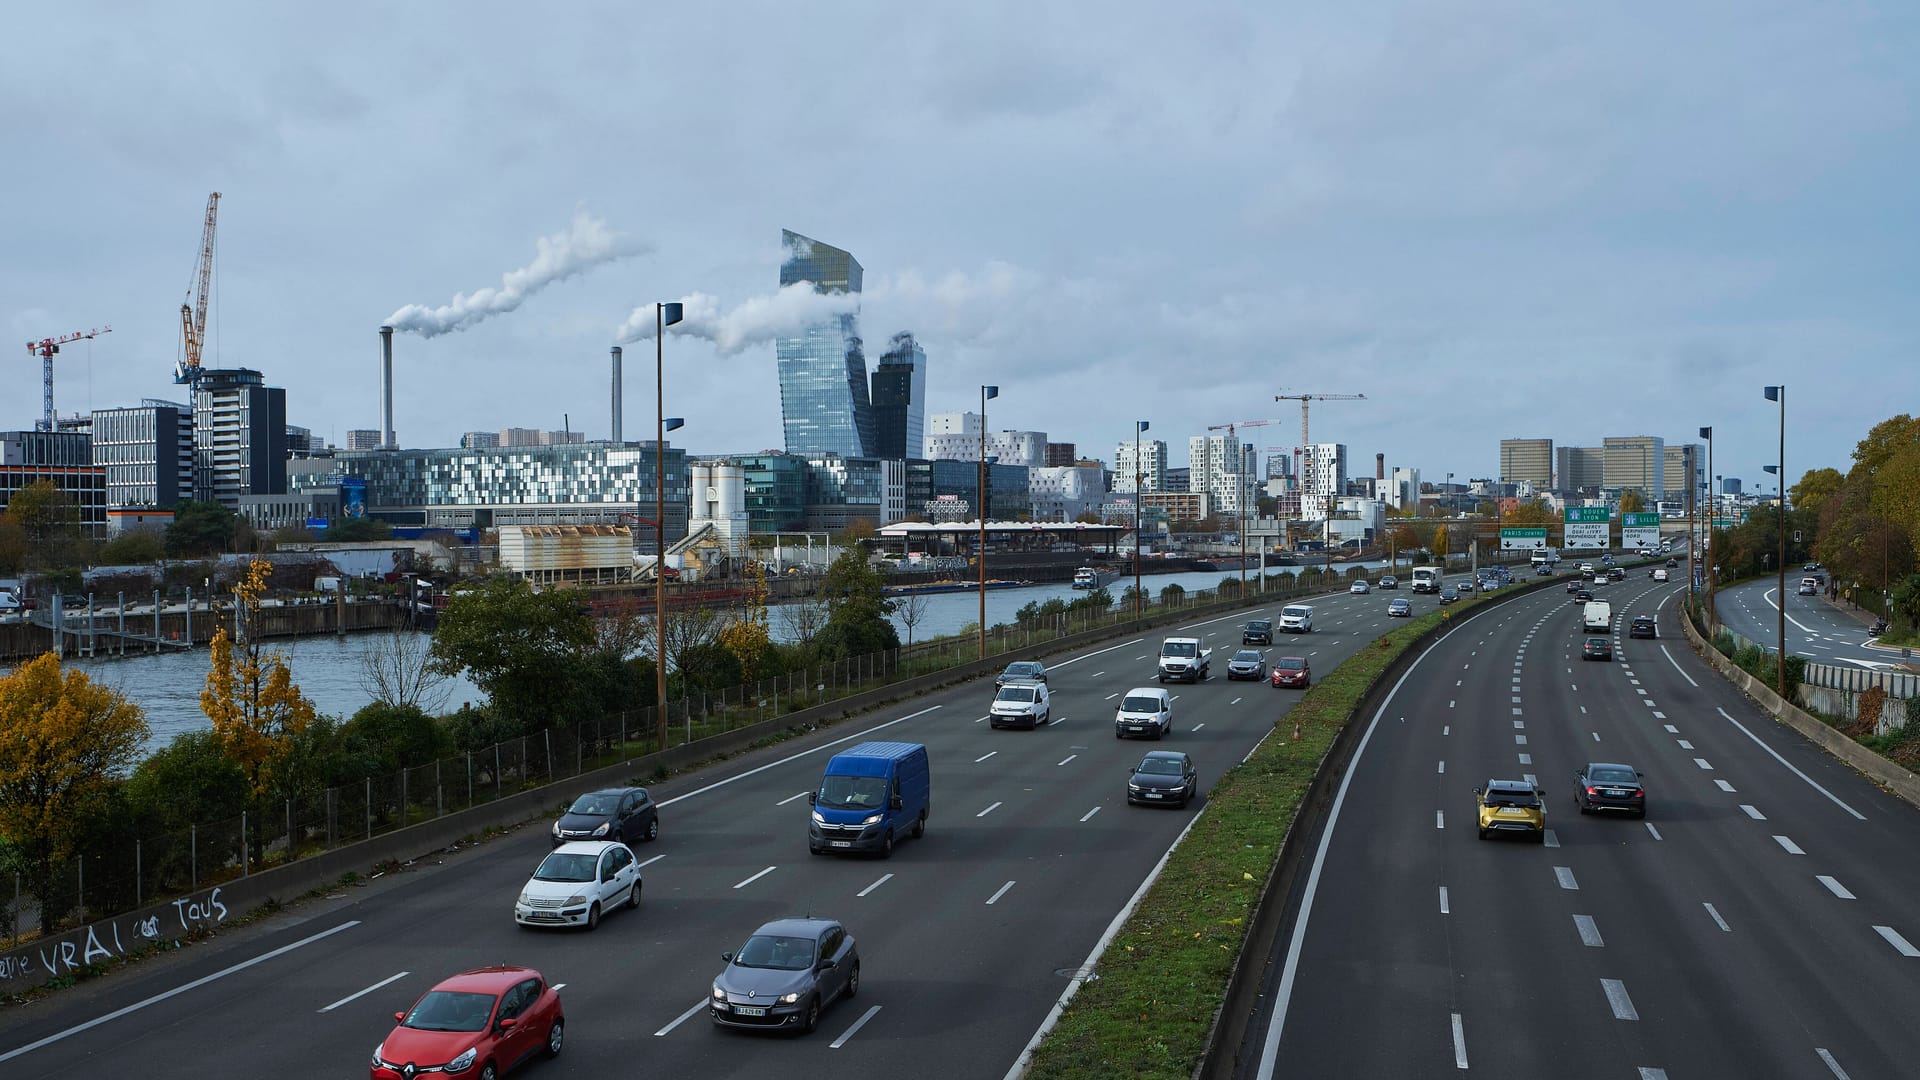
{"x":1540,"y":837}
{"x":593,"y":916}
{"x":886,"y":852}
{"x":653,"y":830}
{"x":1160,"y":678}
{"x":1640,"y":813}
{"x":556,"y":1038}
{"x":920,"y":825}
{"x":812,"y":1019}
{"x":1047,"y":717}
{"x":1483,"y":834}
{"x":853,"y":980}
{"x":633,"y":894}
{"x":489,"y":1072}
{"x":1117,"y":735}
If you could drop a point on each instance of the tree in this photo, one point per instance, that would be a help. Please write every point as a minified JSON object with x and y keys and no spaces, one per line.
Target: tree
{"x":746,"y":636}
{"x":256,"y":708}
{"x":63,"y":743}
{"x":13,"y":544}
{"x":191,"y":781}
{"x":349,"y":530}
{"x":200,"y":528}
{"x":520,"y":646}
{"x":1531,"y":512}
{"x":397,"y":669}
{"x":857,"y":608}
{"x":911,"y":610}
{"x":51,"y":523}
{"x":136,"y":547}
{"x":396,"y":736}
{"x":1815,"y":489}
{"x":1632,"y":502}
{"x":1439,"y":543}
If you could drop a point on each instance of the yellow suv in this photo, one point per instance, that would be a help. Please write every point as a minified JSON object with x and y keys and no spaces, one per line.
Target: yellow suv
{"x":1511,"y":806}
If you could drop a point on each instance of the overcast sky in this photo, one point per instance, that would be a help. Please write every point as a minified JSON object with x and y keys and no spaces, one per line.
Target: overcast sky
{"x":1492,"y":219}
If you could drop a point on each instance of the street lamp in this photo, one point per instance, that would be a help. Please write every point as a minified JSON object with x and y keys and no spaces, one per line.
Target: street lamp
{"x":1779,"y":394}
{"x":664,"y":315}
{"x":1139,"y":481}
{"x":986,"y":392}
{"x":1693,"y":542}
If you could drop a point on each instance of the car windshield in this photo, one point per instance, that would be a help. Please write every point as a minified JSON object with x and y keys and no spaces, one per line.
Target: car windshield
{"x":450,"y":1010}
{"x":566,"y":866}
{"x":779,"y":952}
{"x":1140,"y":703}
{"x":1596,"y":643}
{"x":1260,"y":624}
{"x":1155,"y":766}
{"x":1297,"y":612}
{"x":1610,"y":775}
{"x":1178,"y":648}
{"x":595,"y":804}
{"x":1290,"y":663}
{"x":1247,"y":656}
{"x":1022,"y":670}
{"x":1022,"y":694}
{"x":852,"y":792}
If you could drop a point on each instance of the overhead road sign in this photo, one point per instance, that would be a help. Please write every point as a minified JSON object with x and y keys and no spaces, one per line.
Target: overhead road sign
{"x":1588,"y":528}
{"x":1523,"y":539}
{"x":1641,"y":530}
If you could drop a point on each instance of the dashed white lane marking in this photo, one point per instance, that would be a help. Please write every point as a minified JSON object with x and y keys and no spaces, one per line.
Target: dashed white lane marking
{"x":1791,"y":847}
{"x":790,"y":798}
{"x":368,"y":990}
{"x":1753,"y":811}
{"x":682,"y":1018}
{"x":1724,"y":786}
{"x":1519,"y":740}
{"x":1552,"y":839}
{"x":1685,"y":745}
{"x":1110,"y":697}
{"x":1516,"y":710}
{"x":1564,"y":875}
{"x":1717,"y":920}
{"x":1652,"y":1074}
{"x":1526,"y":759}
{"x":1834,"y":886}
{"x":979,"y":719}
{"x":984,"y":756}
{"x":1654,"y":831}
{"x":1671,"y":730}
{"x":1702,"y":762}
{"x":1519,"y":725}
{"x":1450,"y":703}
{"x":1089,"y":814}
{"x":1617,"y":998}
{"x":1894,"y":939}
{"x":1589,"y":933}
{"x":1515,"y":699}
{"x":1198,"y":726}
{"x":557,"y":987}
{"x":1531,"y":779}
{"x":1000,"y":893}
{"x":988,"y":810}
{"x":1443,"y":766}
{"x":1596,"y":735}
{"x":884,"y":878}
{"x":755,"y":878}
{"x":1439,"y":819}
{"x":1066,"y":759}
{"x":1459,"y":1044}
{"x":1858,"y":816}
{"x":649,"y":862}
{"x":1446,"y":729}
{"x":1443,"y":901}
{"x":1838,"y":1072}
{"x":857,"y":1025}
{"x":1097,"y":674}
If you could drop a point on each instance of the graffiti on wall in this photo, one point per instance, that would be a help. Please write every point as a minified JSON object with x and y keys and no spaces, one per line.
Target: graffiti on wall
{"x":114,"y":938}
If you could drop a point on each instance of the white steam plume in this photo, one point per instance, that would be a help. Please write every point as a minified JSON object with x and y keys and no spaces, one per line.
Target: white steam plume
{"x":561,"y":256}
{"x":754,"y":322}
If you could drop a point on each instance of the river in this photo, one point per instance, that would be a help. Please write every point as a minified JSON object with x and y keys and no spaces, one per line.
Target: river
{"x":329,"y":668}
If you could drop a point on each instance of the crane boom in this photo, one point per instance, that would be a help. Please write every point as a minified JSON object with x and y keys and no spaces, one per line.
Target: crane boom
{"x":46,"y":349}
{"x":1306,"y":444}
{"x":193,"y":318}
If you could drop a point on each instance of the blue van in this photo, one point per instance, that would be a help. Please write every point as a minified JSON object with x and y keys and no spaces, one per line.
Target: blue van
{"x":869,"y":796}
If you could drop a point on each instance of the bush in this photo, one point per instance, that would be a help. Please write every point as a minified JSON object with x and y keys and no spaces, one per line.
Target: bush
{"x":1173,"y":594}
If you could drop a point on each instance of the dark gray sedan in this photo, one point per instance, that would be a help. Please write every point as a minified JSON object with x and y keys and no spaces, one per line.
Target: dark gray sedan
{"x":1163,"y":776}
{"x":785,"y":974}
{"x":1608,"y":785}
{"x":1022,"y":671}
{"x":1247,"y":664}
{"x":1400,"y":609}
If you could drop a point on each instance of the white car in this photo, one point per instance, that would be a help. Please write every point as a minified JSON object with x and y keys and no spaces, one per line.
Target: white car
{"x":577,"y":883}
{"x":1021,"y":704}
{"x":1145,"y":710}
{"x":1360,"y":588}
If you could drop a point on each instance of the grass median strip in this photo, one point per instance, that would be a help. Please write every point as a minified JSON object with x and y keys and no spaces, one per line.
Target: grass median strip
{"x":1165,"y":974}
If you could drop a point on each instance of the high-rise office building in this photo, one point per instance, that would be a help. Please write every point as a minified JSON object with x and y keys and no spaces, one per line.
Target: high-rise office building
{"x":479,"y":440}
{"x":824,"y":403}
{"x":239,"y":436}
{"x":363,"y":439}
{"x":1222,"y":467}
{"x":1151,"y":467}
{"x":952,"y":436}
{"x":147,"y":451}
{"x":1634,"y":461}
{"x":1578,"y":469}
{"x":1673,"y":472}
{"x":63,"y":459}
{"x":900,"y":399}
{"x":1528,"y":461}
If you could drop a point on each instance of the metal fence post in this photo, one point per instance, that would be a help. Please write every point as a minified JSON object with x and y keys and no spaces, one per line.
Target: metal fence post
{"x":546,"y":738}
{"x":369,"y":807}
{"x":139,"y":889}
{"x":291,"y":846}
{"x":331,"y":811}
{"x":245,"y":855}
{"x":80,"y":885}
{"x":469,"y":778}
{"x":439,"y":792}
{"x":403,"y":796}
{"x":193,"y":854}
{"x":496,"y":771}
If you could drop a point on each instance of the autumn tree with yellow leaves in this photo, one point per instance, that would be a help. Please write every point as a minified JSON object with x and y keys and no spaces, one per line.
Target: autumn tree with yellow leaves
{"x":64,"y":743}
{"x":256,"y":708}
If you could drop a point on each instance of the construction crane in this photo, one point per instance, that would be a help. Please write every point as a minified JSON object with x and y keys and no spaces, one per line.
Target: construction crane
{"x":193,"y":317}
{"x":1306,"y":444}
{"x":46,"y":349}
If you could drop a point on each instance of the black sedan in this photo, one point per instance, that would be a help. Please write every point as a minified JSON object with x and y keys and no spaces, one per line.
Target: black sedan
{"x":1596,"y":648}
{"x":624,"y":814}
{"x":1582,"y":596}
{"x":1389,"y":582}
{"x":1643,"y":626}
{"x":1022,"y":671}
{"x":1163,"y":776}
{"x":1448,"y":594}
{"x":787,"y":972}
{"x":1573,"y":585}
{"x":1605,"y":785}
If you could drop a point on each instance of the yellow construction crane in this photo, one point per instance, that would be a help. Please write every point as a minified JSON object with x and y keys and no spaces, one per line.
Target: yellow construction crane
{"x":193,"y":317}
{"x":1306,"y":444}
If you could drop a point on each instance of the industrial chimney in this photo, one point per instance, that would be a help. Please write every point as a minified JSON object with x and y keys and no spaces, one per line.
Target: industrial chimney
{"x":617,"y":436}
{"x":387,"y":441}
{"x":1379,"y":466}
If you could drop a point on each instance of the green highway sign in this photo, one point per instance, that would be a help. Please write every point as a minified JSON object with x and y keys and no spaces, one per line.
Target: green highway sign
{"x":1639,"y":530}
{"x":1578,"y":515}
{"x":1523,"y":538}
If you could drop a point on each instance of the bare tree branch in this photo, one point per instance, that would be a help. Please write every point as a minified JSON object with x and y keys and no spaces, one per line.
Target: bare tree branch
{"x":395,"y":669}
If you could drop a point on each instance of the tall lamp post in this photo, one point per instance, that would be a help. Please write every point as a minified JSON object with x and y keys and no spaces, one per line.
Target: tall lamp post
{"x":986,"y":392}
{"x":1693,"y":541}
{"x":664,"y":315}
{"x":1139,"y":488}
{"x":1779,"y":394}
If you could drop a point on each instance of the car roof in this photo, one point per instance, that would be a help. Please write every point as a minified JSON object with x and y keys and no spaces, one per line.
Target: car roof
{"x":1643,"y":618}
{"x":608,"y":791}
{"x":1163,"y":755}
{"x":1510,"y":785}
{"x":585,"y":847}
{"x":1025,"y":664}
{"x":1156,"y":691}
{"x":1611,"y":765}
{"x":1596,"y":640}
{"x":796,"y":926}
{"x":487,"y":980}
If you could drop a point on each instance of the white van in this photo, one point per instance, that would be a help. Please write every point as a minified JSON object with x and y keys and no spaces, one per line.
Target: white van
{"x":1145,"y":710}
{"x":1297,"y":619}
{"x":1596,"y":617}
{"x":1659,"y":573}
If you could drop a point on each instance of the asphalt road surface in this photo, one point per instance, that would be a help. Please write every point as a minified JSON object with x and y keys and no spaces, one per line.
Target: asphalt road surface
{"x":967,"y":937}
{"x":1759,"y":922}
{"x":1817,"y":628}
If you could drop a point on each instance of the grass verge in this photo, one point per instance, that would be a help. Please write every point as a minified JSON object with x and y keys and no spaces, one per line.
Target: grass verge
{"x":1165,"y":973}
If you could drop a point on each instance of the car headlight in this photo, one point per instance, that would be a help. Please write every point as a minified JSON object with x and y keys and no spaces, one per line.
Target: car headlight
{"x":719,"y":994}
{"x":464,"y":1061}
{"x":1135,"y":787}
{"x":872,"y":819}
{"x":603,"y":829}
{"x":818,"y":818}
{"x":556,"y":828}
{"x":524,"y":898}
{"x":576,"y":898}
{"x":788,"y":999}
{"x":376,"y":1055}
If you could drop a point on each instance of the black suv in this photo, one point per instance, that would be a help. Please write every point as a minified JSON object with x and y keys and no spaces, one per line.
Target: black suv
{"x":1257,"y":632}
{"x":1643,"y":626}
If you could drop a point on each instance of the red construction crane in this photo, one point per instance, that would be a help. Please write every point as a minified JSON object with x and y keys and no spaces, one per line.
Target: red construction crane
{"x":1306,"y":444}
{"x":193,"y":318}
{"x":46,"y":349}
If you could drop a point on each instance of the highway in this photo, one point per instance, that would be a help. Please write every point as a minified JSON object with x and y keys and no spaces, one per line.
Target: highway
{"x":1817,"y":628}
{"x":1759,"y":922}
{"x":967,"y":937}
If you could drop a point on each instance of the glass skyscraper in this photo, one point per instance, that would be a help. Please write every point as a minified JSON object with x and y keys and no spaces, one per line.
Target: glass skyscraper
{"x":824,"y":406}
{"x":900,"y":399}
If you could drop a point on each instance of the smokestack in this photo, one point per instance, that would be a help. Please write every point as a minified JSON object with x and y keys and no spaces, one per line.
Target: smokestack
{"x":386,"y":389}
{"x":1379,"y":466}
{"x":616,"y":395}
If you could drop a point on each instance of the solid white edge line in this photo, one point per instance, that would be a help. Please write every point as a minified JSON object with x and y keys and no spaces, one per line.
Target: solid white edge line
{"x":884,"y":878}
{"x":857,"y":1025}
{"x":383,"y":982}
{"x":1120,"y":917}
{"x":175,"y":992}
{"x":755,"y":878}
{"x":683,"y":1017}
{"x":1284,"y":994}
{"x":1858,"y":816}
{"x":796,"y":757}
{"x":1676,"y":667}
{"x":1000,"y":893}
{"x":1459,"y":1043}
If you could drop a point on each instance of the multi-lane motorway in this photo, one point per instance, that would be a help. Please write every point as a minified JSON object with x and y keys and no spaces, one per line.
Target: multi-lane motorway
{"x":967,"y":936}
{"x":1760,"y":921}
{"x":1817,"y":628}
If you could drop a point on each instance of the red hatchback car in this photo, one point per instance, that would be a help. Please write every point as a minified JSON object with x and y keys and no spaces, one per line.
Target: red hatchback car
{"x":478,"y":1023}
{"x":1292,"y":671}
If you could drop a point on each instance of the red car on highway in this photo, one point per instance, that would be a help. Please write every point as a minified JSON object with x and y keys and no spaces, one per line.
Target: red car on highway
{"x":478,"y":1023}
{"x":1292,"y":671}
